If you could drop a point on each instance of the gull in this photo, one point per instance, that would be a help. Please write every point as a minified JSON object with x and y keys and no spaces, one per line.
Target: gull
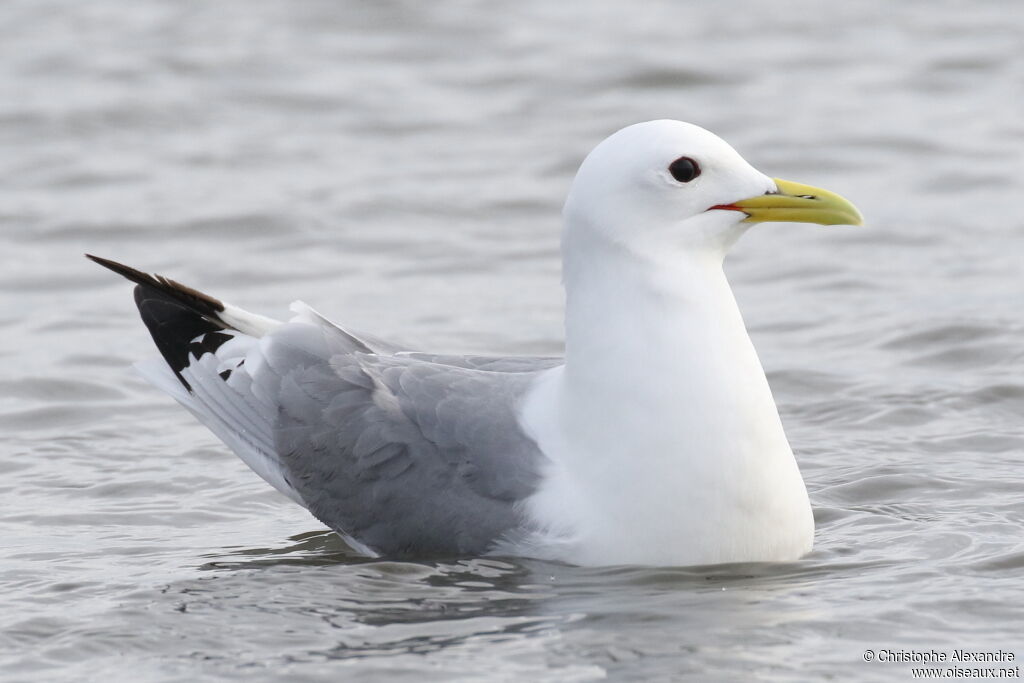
{"x":655,"y":440}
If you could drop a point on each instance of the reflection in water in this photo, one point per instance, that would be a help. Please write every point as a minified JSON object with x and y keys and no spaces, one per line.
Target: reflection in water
{"x":311,"y":548}
{"x":379,"y":608}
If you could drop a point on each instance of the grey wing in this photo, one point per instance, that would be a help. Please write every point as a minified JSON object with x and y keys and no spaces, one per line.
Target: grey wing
{"x":352,"y":341}
{"x":407,"y":456}
{"x":511,"y":364}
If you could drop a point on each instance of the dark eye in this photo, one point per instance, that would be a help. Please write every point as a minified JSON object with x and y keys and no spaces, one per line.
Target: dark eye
{"x":684,"y":169}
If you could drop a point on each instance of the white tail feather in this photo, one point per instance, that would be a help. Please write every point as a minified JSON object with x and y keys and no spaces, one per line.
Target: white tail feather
{"x":228,"y":408}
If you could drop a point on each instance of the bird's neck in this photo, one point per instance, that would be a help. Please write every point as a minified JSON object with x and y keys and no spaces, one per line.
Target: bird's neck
{"x":663,"y":409}
{"x":660,"y":327}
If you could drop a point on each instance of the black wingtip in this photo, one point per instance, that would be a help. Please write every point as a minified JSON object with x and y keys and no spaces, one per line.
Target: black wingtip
{"x":199,"y":301}
{"x":127,"y":272}
{"x":175,"y":315}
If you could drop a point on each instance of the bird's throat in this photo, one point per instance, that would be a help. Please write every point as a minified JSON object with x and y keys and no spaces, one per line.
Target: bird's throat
{"x":660,"y":335}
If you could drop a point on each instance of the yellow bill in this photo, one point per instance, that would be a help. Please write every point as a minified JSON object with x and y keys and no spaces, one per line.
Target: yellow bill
{"x":797,"y":203}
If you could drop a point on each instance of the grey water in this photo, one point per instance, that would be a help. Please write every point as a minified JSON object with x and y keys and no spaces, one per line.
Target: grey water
{"x":401,"y":166}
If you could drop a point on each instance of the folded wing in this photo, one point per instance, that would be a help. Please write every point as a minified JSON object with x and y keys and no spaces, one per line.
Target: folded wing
{"x":405,"y":454}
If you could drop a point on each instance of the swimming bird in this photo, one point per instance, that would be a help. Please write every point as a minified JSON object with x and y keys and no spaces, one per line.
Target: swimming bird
{"x":655,"y":439}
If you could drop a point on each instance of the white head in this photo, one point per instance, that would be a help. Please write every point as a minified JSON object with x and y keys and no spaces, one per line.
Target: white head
{"x":668,"y":187}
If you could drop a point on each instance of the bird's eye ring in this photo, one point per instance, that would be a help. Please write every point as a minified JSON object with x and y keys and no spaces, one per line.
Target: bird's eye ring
{"x":684,"y":169}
